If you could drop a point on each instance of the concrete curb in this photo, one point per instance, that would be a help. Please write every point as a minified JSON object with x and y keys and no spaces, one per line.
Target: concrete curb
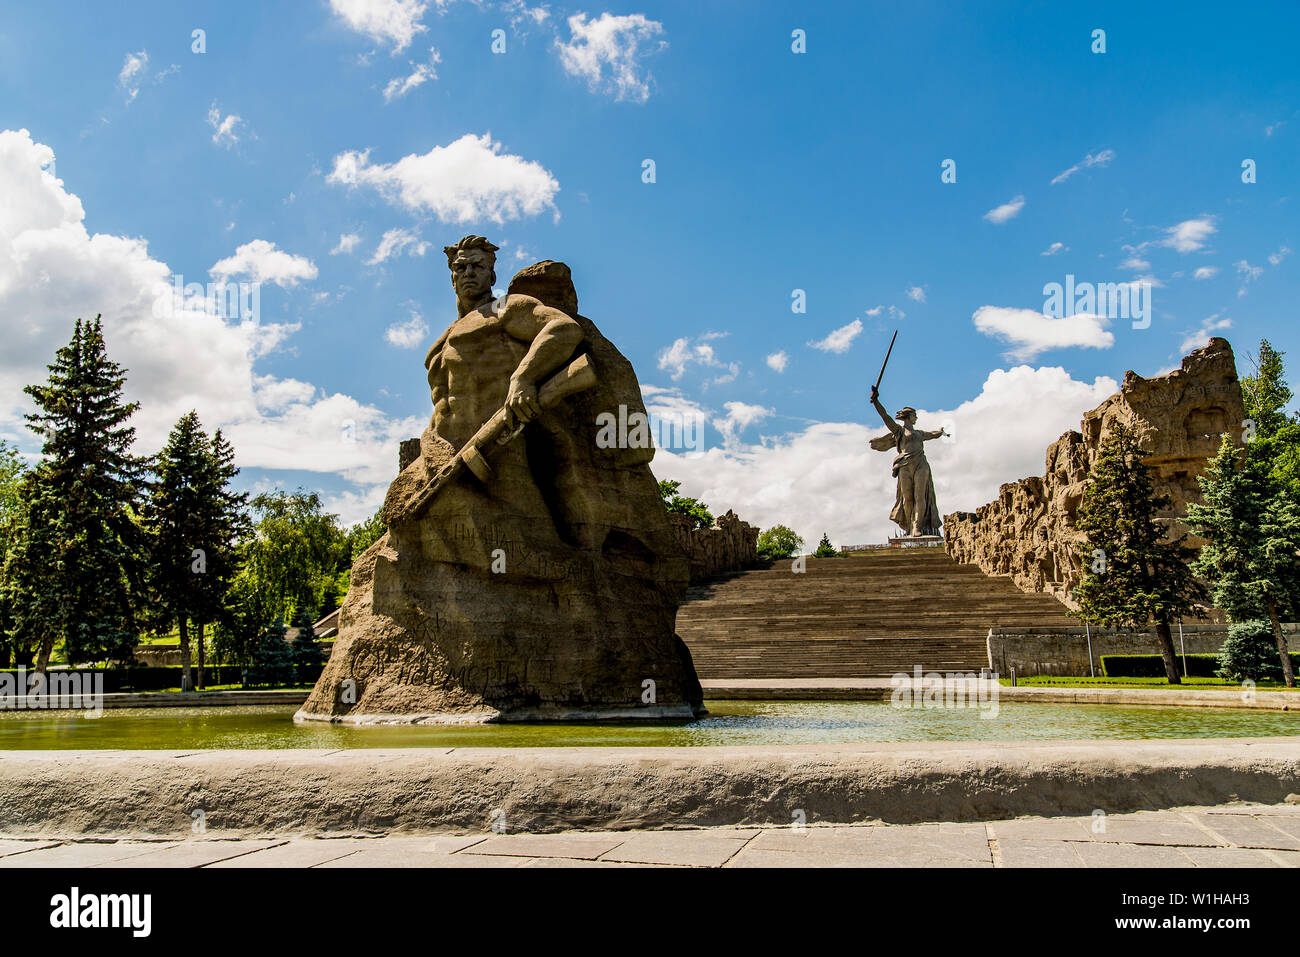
{"x":156,"y":793}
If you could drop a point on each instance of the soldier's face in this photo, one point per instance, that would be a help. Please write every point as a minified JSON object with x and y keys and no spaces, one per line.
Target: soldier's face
{"x":471,"y":274}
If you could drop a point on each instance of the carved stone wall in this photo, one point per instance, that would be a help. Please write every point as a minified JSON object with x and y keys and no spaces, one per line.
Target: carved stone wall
{"x":728,"y":546}
{"x":1029,"y":531}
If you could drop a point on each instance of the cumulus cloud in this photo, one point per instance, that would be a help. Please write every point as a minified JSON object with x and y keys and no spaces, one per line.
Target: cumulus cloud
{"x":261,"y":261}
{"x":179,"y":354}
{"x":392,"y":23}
{"x":1102,"y":158}
{"x":826,"y":478}
{"x":1031,"y":332}
{"x":395,"y":242}
{"x":1200,"y":337}
{"x":1055,"y":248}
{"x":347,"y":243}
{"x":1190,"y":235}
{"x":1276,"y":258}
{"x":409,"y":334}
{"x":225,"y":129}
{"x":1007,"y":211}
{"x":465,"y":181}
{"x":685,"y":352}
{"x":739,"y":417}
{"x":840,"y":340}
{"x":916,"y":294}
{"x":1205,"y":272}
{"x":607,"y":53}
{"x":420,"y":73}
{"x":777,"y":361}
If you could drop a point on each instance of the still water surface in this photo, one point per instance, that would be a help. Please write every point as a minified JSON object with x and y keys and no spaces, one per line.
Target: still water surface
{"x":730,"y":722}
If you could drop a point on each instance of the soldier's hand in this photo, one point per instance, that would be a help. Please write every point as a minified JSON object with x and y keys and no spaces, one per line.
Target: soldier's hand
{"x":522,"y":401}
{"x":875,"y":393}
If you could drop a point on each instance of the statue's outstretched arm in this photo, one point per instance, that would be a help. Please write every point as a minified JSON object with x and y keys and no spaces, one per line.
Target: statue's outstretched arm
{"x":927,"y":436}
{"x":884,"y":416}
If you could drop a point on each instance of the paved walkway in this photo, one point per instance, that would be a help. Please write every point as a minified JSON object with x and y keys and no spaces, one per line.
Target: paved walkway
{"x":1226,"y":836}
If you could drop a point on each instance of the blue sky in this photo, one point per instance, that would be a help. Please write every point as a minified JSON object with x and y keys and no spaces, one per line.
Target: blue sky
{"x":775,"y":171}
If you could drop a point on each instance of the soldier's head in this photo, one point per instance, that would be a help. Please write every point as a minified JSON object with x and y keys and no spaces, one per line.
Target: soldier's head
{"x":906,"y":415}
{"x":472,"y":262}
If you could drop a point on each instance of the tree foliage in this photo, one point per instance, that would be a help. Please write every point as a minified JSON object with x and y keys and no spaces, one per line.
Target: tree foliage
{"x":75,"y":568}
{"x":1133,"y":575}
{"x":824,"y":548}
{"x":1251,"y":524}
{"x":680,"y":504}
{"x":778,"y":542}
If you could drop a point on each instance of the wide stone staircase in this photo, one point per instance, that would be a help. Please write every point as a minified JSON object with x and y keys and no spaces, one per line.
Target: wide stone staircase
{"x":876,"y":614}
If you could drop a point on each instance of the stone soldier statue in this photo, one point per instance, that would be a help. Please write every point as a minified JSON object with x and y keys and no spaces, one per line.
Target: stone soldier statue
{"x":915,"y":510}
{"x":530,"y":576}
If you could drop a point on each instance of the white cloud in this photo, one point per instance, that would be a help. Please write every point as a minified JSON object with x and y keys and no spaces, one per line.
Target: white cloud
{"x":916,"y":294}
{"x":467,"y":180}
{"x":1031,"y":332}
{"x":225,"y":130}
{"x":777,"y":361}
{"x":1274,"y":127}
{"x":420,"y":73}
{"x":347,"y":243}
{"x":409,"y":334}
{"x":840,"y":340}
{"x":1102,"y":158}
{"x":1201,"y":336}
{"x":683,"y":353}
{"x":1136,"y":263}
{"x":1190,"y":235}
{"x":523,"y":16}
{"x":1010,"y":210}
{"x":1205,"y":272}
{"x":391,"y":22}
{"x":132,"y":73}
{"x":1055,"y":248}
{"x":261,"y":261}
{"x":739,"y":417}
{"x":178,"y":354}
{"x":1248,"y":274}
{"x":1276,"y":258}
{"x":394,"y":242}
{"x":607,"y":53}
{"x":826,"y":478}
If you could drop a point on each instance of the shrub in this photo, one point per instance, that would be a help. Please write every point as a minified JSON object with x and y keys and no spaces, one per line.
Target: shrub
{"x":1250,"y":652}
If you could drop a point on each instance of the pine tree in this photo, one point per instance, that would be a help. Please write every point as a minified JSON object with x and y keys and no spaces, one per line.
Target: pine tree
{"x":1133,"y":576}
{"x":824,"y":548}
{"x":1272,"y":433}
{"x":80,"y":559}
{"x":306,"y":652}
{"x":1251,"y":524}
{"x":194,"y":523}
{"x":272,"y":657}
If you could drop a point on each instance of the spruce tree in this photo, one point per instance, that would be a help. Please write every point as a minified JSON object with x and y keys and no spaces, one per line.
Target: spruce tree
{"x":824,"y":548}
{"x":81,"y":555}
{"x":1271,"y":432}
{"x":1132,"y":575}
{"x":1251,"y":524}
{"x":306,"y":652}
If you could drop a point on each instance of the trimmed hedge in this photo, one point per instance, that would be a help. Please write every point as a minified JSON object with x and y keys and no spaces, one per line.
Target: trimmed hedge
{"x":157,"y":678}
{"x":1153,"y":666}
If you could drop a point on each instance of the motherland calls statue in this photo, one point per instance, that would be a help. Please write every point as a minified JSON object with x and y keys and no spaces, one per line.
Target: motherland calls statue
{"x":915,"y":511}
{"x":527,"y":573}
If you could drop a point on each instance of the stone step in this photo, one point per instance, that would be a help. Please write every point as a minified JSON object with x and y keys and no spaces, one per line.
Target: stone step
{"x":861,"y":616}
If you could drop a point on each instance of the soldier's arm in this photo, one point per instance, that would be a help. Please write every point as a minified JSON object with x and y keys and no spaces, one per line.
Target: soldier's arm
{"x":927,"y":436}
{"x":553,"y":337}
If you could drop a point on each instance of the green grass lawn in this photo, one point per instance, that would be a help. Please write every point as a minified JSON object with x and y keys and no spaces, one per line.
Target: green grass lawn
{"x":236,"y":687}
{"x":1043,"y":681}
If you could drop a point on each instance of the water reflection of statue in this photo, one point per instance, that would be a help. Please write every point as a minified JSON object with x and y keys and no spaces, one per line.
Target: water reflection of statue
{"x":915,"y":510}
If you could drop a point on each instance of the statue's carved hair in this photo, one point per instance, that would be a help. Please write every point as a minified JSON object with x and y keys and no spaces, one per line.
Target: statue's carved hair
{"x":471,"y":242}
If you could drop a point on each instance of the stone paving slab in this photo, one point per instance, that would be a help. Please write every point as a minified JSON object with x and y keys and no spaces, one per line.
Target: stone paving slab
{"x":1184,"y":838}
{"x":192,"y":854}
{"x":682,"y":848}
{"x":83,"y":854}
{"x":576,"y":846}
